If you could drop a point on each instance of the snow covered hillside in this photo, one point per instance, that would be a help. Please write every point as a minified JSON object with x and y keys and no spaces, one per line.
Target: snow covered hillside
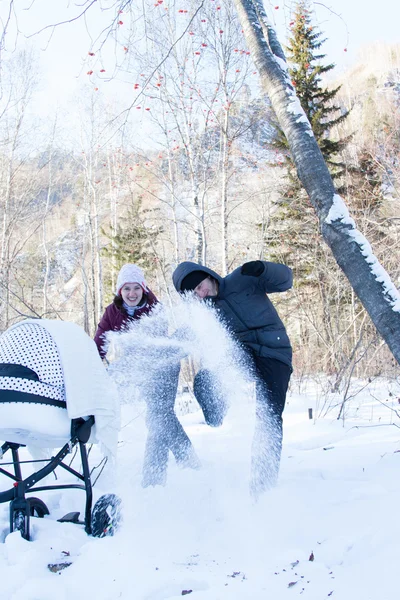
{"x":329,"y":530}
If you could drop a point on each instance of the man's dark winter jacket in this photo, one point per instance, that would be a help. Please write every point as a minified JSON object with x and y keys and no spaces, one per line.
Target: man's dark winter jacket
{"x":246,"y":308}
{"x":116,"y":318}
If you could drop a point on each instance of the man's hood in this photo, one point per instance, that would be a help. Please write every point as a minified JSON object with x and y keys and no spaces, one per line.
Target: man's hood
{"x":188,"y":267}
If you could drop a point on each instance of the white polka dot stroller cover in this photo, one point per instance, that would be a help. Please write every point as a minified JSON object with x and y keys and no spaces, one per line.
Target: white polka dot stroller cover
{"x":32,"y":391}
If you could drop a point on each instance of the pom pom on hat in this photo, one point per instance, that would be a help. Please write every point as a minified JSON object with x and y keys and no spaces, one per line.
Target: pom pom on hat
{"x":130,"y":274}
{"x":192,"y":280}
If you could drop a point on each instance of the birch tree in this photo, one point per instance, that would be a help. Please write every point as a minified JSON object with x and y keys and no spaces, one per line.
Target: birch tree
{"x":350,"y":248}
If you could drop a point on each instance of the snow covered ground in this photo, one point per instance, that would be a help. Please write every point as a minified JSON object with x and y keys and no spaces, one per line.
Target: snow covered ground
{"x":330,"y":529}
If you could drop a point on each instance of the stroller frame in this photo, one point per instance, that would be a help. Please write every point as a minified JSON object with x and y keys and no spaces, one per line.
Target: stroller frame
{"x":33,"y":365}
{"x":22,"y":508}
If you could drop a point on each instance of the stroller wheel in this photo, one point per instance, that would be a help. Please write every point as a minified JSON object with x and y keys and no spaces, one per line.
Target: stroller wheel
{"x":20,"y":522}
{"x":20,"y":515}
{"x":106,"y":515}
{"x":37,"y":507}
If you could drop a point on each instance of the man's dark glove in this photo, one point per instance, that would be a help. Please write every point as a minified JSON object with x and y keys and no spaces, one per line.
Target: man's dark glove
{"x":254,"y":268}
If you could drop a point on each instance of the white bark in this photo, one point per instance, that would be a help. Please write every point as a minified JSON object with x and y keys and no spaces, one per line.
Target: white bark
{"x":44,"y":224}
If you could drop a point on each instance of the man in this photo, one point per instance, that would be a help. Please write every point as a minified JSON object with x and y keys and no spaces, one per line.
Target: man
{"x":242,"y":302}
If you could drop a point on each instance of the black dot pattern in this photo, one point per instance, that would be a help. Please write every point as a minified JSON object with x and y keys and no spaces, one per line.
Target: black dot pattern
{"x":32,"y":346}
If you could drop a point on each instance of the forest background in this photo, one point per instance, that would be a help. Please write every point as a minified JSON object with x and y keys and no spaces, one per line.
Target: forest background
{"x":192,"y":167}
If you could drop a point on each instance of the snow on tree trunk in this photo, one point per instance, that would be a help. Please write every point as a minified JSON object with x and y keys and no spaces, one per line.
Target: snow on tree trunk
{"x":349,"y":247}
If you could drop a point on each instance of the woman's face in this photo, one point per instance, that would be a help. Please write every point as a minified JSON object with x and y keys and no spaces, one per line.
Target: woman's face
{"x":132,"y":294}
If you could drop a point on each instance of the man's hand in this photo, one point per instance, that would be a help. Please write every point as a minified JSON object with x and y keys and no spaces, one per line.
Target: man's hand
{"x":254,"y":268}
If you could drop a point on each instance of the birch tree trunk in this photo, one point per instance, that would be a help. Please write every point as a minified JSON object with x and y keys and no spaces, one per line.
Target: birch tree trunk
{"x":224,"y":193}
{"x":44,"y":222}
{"x":85,"y":245}
{"x":350,"y":248}
{"x":113,"y":215}
{"x":173,"y":209}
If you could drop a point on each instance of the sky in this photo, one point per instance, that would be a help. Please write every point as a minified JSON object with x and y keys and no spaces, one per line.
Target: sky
{"x":348,"y":25}
{"x":329,"y":530}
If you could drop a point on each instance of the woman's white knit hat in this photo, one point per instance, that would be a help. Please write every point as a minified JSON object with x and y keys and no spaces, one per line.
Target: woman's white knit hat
{"x":130,"y":274}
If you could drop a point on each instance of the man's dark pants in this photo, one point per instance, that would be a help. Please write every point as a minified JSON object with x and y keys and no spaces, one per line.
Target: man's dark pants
{"x":272,"y":379}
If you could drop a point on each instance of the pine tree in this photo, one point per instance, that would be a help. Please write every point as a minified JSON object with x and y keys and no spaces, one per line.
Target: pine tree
{"x":306,"y":71}
{"x":333,"y":318}
{"x":295,"y":220}
{"x":133,"y":242}
{"x":294,"y":236}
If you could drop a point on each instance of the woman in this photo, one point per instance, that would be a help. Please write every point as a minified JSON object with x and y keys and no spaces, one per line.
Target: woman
{"x":133,"y":300}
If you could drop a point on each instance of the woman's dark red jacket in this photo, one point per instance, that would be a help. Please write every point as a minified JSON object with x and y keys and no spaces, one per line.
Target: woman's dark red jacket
{"x":116,"y":318}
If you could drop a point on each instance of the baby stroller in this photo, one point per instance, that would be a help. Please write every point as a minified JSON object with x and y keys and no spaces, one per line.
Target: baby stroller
{"x":47,"y":401}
